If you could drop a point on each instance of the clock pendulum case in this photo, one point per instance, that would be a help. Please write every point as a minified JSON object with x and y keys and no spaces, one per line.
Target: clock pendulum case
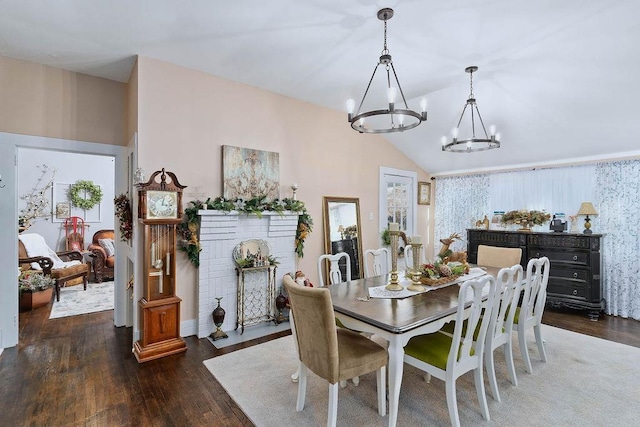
{"x":160,"y":212}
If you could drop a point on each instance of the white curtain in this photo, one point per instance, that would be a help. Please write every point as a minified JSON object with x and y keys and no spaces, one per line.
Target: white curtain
{"x":618,"y":206}
{"x":613,"y":187}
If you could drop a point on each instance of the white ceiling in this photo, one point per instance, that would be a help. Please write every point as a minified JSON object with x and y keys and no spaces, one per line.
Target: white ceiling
{"x":560,"y":78}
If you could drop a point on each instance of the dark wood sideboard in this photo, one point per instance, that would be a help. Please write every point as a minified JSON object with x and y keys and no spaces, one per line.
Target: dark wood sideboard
{"x":574,"y":277}
{"x":349,"y":246}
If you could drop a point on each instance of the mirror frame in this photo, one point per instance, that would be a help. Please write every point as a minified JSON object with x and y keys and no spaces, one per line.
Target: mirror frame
{"x":326,"y":200}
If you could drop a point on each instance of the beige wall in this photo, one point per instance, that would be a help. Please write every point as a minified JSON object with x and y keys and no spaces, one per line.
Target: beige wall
{"x":45,"y":101}
{"x":185,"y":116}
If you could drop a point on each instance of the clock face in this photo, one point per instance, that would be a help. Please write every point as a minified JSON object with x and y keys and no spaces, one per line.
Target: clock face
{"x":162,"y":204}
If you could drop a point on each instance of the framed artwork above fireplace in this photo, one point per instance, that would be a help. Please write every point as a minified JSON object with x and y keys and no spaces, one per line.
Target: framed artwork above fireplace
{"x":249,"y":173}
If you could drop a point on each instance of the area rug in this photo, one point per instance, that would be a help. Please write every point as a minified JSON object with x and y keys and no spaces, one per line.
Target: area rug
{"x":586,"y":381}
{"x":74,"y":300}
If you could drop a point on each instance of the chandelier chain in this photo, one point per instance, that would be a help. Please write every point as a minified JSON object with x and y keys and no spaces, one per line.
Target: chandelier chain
{"x":385,"y":50}
{"x":471,"y":84}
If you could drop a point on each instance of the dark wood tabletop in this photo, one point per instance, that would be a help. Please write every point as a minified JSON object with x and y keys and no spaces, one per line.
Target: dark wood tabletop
{"x":392,"y":314}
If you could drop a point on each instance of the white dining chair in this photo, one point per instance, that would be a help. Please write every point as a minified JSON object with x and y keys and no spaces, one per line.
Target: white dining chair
{"x":498,"y":257}
{"x":377,"y":262}
{"x":529,"y":314}
{"x":334,"y":275}
{"x":509,"y":284}
{"x":447,"y":357}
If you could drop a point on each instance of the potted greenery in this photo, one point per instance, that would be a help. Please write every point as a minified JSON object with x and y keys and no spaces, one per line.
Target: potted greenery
{"x":35,"y":289}
{"x":525,"y":219}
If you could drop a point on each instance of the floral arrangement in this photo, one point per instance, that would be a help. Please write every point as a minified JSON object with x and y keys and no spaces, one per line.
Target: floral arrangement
{"x":439,"y":270}
{"x":37,"y":201}
{"x":525,"y":218}
{"x":351,"y":231}
{"x":189,"y":228}
{"x":90,"y":189}
{"x":34,"y":281}
{"x":125,"y":216}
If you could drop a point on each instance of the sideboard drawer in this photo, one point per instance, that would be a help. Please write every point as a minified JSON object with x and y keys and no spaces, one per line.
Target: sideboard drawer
{"x":569,"y":274}
{"x":567,"y":289}
{"x":561,"y":256}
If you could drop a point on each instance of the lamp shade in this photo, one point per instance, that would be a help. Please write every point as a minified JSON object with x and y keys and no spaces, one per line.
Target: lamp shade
{"x":586,"y":208}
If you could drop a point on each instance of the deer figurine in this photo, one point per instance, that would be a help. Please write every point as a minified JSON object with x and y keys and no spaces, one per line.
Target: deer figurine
{"x":447,"y":255}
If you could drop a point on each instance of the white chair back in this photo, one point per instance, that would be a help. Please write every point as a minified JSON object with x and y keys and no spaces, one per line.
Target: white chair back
{"x":509,"y":286}
{"x":334,"y":274}
{"x":532,"y":308}
{"x":377,"y":262}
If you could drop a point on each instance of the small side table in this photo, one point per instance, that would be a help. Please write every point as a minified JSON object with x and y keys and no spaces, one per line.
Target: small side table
{"x":87,"y":258}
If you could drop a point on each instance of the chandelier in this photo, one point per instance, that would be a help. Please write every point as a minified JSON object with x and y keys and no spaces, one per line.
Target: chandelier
{"x":473,"y":143}
{"x":391,"y":119}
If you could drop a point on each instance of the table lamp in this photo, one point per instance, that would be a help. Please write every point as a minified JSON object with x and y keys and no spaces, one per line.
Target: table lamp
{"x":587,"y":209}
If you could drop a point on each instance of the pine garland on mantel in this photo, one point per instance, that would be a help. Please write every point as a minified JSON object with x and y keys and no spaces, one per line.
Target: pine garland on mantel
{"x":188,"y":229}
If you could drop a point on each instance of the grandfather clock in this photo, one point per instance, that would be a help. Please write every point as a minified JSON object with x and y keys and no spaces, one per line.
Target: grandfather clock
{"x":160,"y":212}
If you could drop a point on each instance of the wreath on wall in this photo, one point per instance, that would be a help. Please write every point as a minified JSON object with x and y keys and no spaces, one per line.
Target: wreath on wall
{"x":90,"y":189}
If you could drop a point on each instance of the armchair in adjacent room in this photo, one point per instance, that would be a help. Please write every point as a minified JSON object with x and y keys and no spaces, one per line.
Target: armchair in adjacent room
{"x":103,"y":249}
{"x":64,"y":267}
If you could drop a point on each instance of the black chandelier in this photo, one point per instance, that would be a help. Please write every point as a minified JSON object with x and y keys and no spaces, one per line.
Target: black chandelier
{"x":473,"y":143}
{"x":391,"y":119}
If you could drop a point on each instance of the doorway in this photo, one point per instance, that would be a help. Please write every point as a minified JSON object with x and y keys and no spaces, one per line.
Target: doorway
{"x":10,"y":144}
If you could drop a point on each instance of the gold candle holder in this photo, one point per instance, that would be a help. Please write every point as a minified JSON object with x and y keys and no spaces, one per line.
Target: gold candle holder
{"x":394,"y":283}
{"x":416,"y":285}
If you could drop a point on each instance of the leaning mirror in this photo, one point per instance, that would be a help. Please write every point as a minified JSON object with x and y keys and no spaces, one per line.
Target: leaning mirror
{"x":342,"y":231}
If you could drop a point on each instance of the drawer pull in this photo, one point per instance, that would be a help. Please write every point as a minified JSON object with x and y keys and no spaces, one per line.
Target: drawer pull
{"x":575,"y":257}
{"x":575,"y":292}
{"x":575,"y":275}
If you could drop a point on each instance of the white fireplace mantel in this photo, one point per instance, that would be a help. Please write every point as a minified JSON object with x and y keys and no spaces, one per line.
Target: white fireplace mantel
{"x":220,"y":232}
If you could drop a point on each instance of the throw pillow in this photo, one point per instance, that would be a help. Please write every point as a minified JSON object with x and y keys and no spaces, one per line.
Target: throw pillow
{"x":108,"y":246}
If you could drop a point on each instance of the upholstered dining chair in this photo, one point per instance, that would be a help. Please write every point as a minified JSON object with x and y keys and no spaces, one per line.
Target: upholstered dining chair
{"x":330,"y":352}
{"x":529,"y":314}
{"x":509,"y":285}
{"x":334,"y":274}
{"x":377,"y":262}
{"x":498,"y":257}
{"x":446,"y":356}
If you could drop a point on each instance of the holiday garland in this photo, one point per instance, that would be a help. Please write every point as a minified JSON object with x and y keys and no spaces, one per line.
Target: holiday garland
{"x":92,"y":190}
{"x":125,"y":216}
{"x":189,"y":228}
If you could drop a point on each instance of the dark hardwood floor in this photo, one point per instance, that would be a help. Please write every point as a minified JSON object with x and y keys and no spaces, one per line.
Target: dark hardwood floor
{"x":79,"y":371}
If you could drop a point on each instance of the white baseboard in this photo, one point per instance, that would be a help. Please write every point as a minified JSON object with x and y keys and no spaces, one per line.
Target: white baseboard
{"x":188,"y":328}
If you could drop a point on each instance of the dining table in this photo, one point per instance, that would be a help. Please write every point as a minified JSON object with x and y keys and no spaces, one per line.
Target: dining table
{"x":397,"y":319}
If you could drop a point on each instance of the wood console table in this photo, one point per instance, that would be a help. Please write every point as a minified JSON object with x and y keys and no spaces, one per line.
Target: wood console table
{"x":574,"y":277}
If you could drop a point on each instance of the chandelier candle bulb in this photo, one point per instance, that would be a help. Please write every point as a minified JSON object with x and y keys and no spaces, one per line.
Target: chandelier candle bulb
{"x":492,"y":130}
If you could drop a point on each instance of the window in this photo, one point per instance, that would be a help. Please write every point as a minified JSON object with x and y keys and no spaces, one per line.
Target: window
{"x":398,"y":199}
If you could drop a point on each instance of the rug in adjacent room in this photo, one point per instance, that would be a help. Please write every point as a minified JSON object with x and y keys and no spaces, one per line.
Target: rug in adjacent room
{"x":74,"y":300}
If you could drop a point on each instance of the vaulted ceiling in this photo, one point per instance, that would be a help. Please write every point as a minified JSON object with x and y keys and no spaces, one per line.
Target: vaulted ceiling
{"x":560,"y":79}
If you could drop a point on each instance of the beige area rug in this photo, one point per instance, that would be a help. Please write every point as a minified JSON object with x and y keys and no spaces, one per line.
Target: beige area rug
{"x":586,"y":381}
{"x":74,"y":300}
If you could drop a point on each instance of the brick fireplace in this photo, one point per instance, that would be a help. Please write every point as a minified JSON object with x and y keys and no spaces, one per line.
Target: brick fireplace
{"x":220,"y":232}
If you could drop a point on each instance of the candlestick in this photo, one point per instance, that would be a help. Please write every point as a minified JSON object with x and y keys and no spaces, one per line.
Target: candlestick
{"x":416,"y":285}
{"x":394,"y":284}
{"x":294,"y":188}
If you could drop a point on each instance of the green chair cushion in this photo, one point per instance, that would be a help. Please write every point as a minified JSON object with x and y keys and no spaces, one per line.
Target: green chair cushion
{"x":516,"y":316}
{"x":432,"y":349}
